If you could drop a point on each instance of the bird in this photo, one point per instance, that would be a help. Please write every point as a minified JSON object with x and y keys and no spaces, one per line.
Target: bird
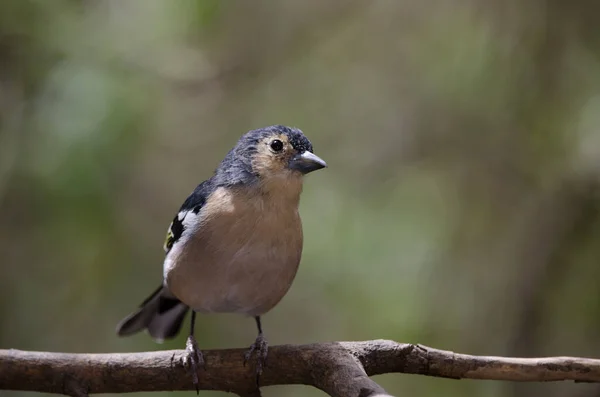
{"x":235,"y":244}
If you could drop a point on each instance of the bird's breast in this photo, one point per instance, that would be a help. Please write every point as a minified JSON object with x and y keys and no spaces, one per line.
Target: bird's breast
{"x":241,"y":256}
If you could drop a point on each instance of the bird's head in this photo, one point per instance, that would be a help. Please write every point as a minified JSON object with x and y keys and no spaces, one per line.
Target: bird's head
{"x":272,"y":154}
{"x":280,"y":151}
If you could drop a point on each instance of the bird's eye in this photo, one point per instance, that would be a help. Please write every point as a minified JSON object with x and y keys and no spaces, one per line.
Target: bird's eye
{"x":277,"y":145}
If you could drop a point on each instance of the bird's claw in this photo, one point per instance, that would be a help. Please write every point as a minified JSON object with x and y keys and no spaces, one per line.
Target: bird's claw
{"x":193,"y":359}
{"x":261,"y":347}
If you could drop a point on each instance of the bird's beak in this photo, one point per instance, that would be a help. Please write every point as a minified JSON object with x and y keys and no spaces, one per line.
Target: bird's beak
{"x":306,"y":162}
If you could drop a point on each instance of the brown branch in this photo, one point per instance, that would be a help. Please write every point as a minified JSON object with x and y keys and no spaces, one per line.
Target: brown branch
{"x":339,"y":369}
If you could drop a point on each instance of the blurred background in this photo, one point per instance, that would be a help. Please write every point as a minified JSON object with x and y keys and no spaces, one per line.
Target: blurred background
{"x":460,"y":208}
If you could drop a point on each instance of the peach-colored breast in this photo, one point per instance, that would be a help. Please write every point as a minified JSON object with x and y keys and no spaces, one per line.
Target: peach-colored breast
{"x":243,"y":255}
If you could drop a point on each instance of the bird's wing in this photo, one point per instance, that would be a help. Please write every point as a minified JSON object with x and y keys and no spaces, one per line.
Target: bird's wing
{"x":192,"y":205}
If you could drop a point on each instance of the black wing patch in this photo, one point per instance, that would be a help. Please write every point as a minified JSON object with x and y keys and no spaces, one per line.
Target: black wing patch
{"x":193,"y":203}
{"x":175,"y":231}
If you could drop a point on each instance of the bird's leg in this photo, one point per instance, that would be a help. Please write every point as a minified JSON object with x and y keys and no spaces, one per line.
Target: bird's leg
{"x":193,"y":358}
{"x":261,"y":347}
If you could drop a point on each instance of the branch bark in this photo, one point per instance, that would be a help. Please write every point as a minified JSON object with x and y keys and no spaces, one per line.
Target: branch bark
{"x":338,"y":368}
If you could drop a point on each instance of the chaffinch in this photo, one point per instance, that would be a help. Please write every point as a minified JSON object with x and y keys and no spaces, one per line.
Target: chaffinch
{"x":236,"y":242}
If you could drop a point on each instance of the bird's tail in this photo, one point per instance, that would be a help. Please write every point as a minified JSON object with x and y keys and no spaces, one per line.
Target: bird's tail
{"x":161,"y":314}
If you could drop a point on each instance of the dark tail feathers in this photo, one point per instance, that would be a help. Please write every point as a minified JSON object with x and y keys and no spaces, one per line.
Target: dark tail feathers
{"x":161,"y":314}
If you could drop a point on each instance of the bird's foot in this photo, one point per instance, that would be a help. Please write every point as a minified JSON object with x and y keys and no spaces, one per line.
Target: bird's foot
{"x":193,"y":359}
{"x":261,"y":347}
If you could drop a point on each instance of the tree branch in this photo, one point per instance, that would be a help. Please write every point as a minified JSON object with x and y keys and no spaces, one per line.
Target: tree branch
{"x":338,"y":368}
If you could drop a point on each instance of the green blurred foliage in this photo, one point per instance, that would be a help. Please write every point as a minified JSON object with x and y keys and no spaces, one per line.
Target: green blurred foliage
{"x":460,"y":208}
